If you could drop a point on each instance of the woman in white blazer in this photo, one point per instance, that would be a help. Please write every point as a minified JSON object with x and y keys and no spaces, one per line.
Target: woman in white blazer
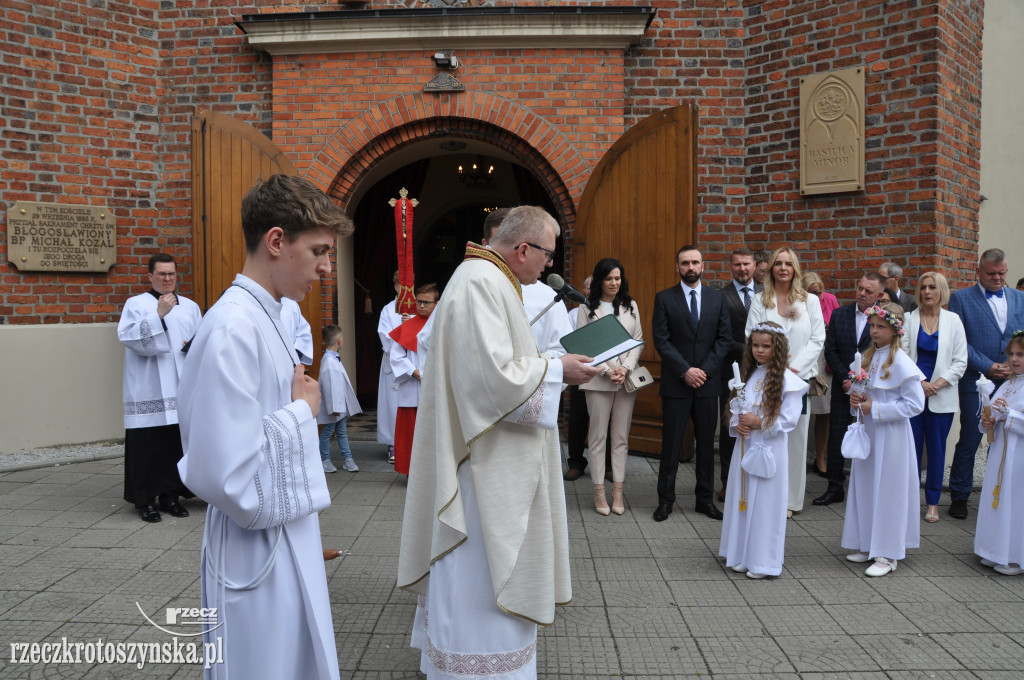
{"x":785,"y":302}
{"x":607,"y":399}
{"x":936,"y":341}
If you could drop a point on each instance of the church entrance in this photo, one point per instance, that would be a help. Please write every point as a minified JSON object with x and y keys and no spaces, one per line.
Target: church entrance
{"x":457,"y":182}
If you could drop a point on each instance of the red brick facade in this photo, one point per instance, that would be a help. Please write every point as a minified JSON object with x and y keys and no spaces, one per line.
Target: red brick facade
{"x":97,"y":109}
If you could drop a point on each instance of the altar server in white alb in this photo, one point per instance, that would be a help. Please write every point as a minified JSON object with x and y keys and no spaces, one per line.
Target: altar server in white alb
{"x":155,"y":328}
{"x":484,"y":536}
{"x":298,"y":330}
{"x":882,"y":518}
{"x":387,"y":389}
{"x":248,"y":426}
{"x":754,"y":528}
{"x":999,"y":538}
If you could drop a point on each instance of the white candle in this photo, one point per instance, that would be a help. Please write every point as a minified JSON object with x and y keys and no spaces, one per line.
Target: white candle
{"x":736,"y":373}
{"x":856,"y":364}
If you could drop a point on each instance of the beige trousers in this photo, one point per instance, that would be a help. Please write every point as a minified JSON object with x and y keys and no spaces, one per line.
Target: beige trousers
{"x":604,"y":407}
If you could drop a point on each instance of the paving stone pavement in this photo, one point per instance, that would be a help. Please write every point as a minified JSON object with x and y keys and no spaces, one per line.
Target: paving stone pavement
{"x":651,"y":600}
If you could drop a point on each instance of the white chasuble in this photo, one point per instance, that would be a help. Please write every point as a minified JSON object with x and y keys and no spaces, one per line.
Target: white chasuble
{"x":487,"y":410}
{"x":253,"y":454}
{"x":387,"y":390}
{"x":756,"y":536}
{"x":153,"y":358}
{"x":999,"y":536}
{"x":883,"y":516}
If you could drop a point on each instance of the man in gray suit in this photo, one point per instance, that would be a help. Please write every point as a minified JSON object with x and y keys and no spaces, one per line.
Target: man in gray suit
{"x":991,"y":312}
{"x":893,"y":275}
{"x":691,"y":334}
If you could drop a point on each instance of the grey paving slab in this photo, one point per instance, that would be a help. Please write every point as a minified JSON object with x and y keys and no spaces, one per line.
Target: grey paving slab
{"x":577,"y":657}
{"x":867,"y":619}
{"x":734,"y":655}
{"x":779,"y":620}
{"x":811,"y":653}
{"x":706,"y":594}
{"x":722,"y":622}
{"x":579,"y":621}
{"x":645,"y":622}
{"x":983,"y":651}
{"x":901,"y":651}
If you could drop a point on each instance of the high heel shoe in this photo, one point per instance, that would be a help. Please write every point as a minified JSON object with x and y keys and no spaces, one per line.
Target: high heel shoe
{"x":600,"y":502}
{"x":618,"y":506}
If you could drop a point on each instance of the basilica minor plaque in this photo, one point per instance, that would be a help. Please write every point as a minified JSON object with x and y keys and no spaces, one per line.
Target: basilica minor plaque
{"x":56,"y":237}
{"x":832,"y":132}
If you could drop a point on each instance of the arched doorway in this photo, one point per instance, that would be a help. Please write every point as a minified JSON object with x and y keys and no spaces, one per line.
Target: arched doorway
{"x":457,"y":181}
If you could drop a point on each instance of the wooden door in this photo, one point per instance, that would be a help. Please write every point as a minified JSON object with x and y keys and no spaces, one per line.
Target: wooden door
{"x":228,"y":156}
{"x":640,"y":206}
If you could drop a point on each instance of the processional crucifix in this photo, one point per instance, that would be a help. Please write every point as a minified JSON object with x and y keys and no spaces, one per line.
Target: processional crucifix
{"x":403,"y":237}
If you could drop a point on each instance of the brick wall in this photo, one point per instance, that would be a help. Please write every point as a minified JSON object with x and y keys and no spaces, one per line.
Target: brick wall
{"x":97,"y":106}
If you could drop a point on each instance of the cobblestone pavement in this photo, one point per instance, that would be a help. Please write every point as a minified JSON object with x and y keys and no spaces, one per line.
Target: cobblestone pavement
{"x":651,"y":600}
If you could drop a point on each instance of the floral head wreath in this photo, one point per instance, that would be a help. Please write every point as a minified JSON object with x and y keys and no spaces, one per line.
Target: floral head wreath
{"x":888,"y":317}
{"x":762,"y":327}
{"x":1018,"y":334}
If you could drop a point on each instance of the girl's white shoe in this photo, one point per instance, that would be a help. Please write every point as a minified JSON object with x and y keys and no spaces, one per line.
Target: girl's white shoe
{"x":881,"y":567}
{"x":857,"y":557}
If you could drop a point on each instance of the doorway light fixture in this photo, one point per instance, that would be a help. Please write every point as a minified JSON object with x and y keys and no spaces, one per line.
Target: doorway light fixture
{"x":478,"y":174}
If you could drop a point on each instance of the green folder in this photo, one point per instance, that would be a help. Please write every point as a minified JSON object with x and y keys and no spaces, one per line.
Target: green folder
{"x":603,"y":339}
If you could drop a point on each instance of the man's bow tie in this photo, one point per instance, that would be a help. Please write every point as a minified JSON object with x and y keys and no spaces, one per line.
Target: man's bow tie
{"x":990,"y":294}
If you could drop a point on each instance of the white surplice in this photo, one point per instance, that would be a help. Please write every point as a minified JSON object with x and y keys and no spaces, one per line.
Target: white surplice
{"x":756,"y":537}
{"x":882,"y":508}
{"x":253,"y":454}
{"x":1000,"y":532}
{"x":387,"y":390}
{"x":298,"y":330}
{"x":484,"y":522}
{"x":153,"y":358}
{"x":806,"y":336}
{"x":550,"y":328}
{"x":337,"y":395}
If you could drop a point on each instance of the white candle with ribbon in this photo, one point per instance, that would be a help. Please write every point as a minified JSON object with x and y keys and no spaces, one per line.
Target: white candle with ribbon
{"x":856,"y":364}
{"x":736,"y":373}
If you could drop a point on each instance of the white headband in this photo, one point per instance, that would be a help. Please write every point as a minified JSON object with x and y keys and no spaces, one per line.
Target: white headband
{"x":762,"y":327}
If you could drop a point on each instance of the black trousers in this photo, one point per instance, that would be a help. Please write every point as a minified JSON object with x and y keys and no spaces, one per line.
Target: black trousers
{"x":579,"y":426}
{"x":726,"y":442}
{"x":675,"y":414}
{"x":839,"y":419}
{"x":151,"y":456}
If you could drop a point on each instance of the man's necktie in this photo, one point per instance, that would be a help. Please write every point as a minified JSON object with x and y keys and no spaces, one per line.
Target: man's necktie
{"x":693,"y":306}
{"x":746,"y":298}
{"x":990,"y":294}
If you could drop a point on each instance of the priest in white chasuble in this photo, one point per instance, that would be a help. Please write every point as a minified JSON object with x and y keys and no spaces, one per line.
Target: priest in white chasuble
{"x":155,"y":328}
{"x":484,"y":536}
{"x":248,"y":425}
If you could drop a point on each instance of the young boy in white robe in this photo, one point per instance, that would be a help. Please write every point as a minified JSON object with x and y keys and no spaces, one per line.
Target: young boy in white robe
{"x":337,"y":401}
{"x":999,"y":537}
{"x":882,"y":518}
{"x":387,"y":388}
{"x":248,"y":427}
{"x":754,"y":526}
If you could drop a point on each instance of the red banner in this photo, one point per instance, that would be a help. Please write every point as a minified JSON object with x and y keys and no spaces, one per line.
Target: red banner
{"x":403,"y":237}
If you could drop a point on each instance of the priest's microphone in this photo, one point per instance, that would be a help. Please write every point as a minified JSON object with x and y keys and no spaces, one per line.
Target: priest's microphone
{"x":563,"y":290}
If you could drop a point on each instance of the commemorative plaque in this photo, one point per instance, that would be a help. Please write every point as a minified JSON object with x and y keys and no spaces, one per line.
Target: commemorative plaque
{"x":832,"y":132}
{"x":56,"y":237}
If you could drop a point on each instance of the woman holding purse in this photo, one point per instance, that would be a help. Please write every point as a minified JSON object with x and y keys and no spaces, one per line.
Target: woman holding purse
{"x":607,"y":399}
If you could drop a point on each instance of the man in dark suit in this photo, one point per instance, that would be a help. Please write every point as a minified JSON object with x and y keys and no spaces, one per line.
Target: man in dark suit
{"x":739,"y":295}
{"x":692,"y":336}
{"x":991,"y":312}
{"x":847,"y":334}
{"x":892,"y":275}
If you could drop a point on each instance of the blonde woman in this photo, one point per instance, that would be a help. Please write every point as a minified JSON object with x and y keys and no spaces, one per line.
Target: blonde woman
{"x":785,"y":302}
{"x":936,"y":341}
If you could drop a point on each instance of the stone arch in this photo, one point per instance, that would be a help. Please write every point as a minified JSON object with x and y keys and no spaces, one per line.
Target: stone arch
{"x":354,"y":149}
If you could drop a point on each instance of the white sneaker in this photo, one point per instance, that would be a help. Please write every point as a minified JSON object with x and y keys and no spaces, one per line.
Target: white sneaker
{"x":881,"y":567}
{"x":350,"y":465}
{"x":739,"y":569}
{"x":987,"y":563}
{"x":751,"y":574}
{"x":329,"y":466}
{"x":1008,"y":570}
{"x":857,"y":557}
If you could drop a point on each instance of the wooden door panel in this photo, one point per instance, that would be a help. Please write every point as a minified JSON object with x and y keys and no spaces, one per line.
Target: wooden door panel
{"x":640,"y":206}
{"x":228,"y":157}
